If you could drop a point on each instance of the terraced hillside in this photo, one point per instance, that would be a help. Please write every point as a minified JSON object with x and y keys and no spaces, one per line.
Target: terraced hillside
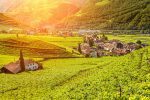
{"x":35,"y":48}
{"x":112,"y":14}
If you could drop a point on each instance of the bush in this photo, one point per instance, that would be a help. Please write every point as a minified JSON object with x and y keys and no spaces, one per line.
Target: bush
{"x":138,"y":42}
{"x":104,"y":37}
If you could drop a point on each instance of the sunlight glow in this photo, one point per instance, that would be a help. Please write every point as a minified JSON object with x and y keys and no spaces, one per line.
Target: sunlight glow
{"x":35,"y":12}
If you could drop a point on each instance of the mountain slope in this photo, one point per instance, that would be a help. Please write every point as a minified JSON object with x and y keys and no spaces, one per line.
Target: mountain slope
{"x":39,"y":12}
{"x":7,"y":20}
{"x":112,"y":14}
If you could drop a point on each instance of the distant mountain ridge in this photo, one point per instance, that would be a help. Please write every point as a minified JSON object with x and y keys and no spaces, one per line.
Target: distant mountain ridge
{"x":111,"y":14}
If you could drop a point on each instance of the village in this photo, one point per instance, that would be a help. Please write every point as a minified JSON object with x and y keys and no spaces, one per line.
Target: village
{"x":95,"y":46}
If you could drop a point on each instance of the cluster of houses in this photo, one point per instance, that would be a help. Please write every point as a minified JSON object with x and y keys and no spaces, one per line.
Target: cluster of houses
{"x":21,"y":65}
{"x":94,"y":46}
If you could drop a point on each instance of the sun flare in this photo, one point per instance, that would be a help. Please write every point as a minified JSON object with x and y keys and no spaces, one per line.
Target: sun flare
{"x":37,"y":12}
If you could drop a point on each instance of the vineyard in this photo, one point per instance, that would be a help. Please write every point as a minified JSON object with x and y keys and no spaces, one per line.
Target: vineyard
{"x":106,"y":78}
{"x":34,"y":48}
{"x":112,"y":14}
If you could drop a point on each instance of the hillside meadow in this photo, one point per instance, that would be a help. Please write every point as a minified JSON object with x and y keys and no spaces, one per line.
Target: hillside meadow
{"x":106,"y":78}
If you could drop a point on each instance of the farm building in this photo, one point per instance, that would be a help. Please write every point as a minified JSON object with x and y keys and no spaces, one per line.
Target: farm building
{"x":21,"y":65}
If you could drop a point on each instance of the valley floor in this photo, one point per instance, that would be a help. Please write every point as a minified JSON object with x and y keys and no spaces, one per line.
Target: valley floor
{"x":106,"y":78}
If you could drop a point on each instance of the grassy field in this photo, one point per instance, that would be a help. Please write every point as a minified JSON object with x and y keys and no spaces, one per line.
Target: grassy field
{"x":106,"y":78}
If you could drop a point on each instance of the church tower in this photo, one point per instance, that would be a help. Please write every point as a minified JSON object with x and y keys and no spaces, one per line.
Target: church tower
{"x":21,"y":59}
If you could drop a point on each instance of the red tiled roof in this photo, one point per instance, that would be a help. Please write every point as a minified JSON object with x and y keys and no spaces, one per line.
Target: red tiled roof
{"x":13,"y":67}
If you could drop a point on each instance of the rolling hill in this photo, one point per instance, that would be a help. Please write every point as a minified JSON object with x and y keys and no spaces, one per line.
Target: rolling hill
{"x":111,"y":14}
{"x":35,"y":48}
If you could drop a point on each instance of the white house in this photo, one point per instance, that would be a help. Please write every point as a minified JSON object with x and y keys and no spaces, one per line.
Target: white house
{"x":31,"y":65}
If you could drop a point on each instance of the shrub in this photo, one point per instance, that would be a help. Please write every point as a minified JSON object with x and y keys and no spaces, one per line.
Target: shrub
{"x":138,"y":42}
{"x":104,"y":37}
